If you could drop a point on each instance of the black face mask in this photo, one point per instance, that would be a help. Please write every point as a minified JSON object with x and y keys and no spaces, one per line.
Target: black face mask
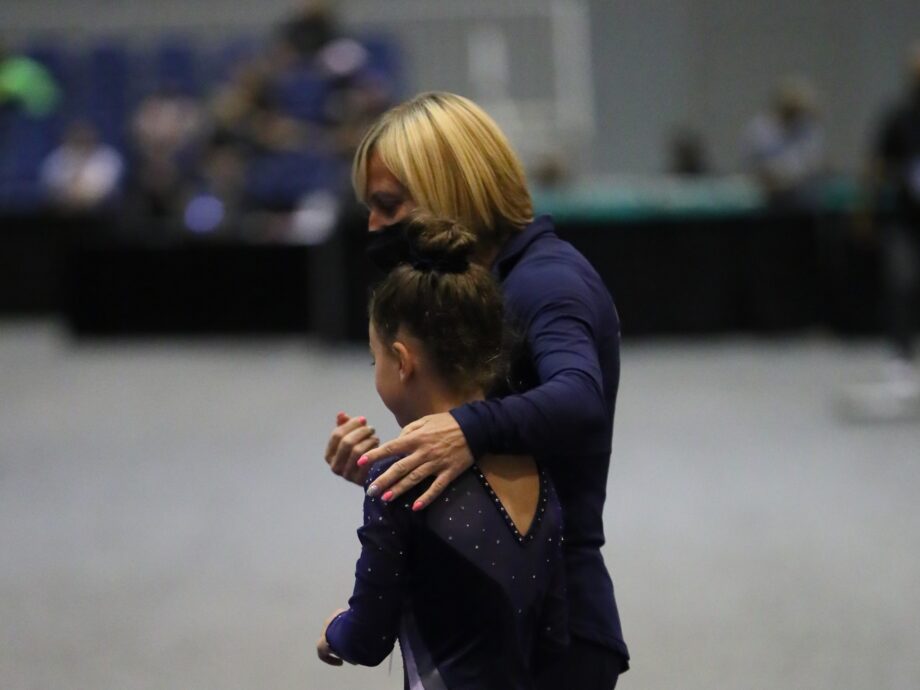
{"x":389,"y":247}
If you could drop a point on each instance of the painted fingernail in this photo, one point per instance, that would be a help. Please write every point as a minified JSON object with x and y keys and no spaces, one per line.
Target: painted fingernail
{"x":387,"y":496}
{"x":418,"y":505}
{"x":373,"y":490}
{"x":362,"y":461}
{"x":362,"y":420}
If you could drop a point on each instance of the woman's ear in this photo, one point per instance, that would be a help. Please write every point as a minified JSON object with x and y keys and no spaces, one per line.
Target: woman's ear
{"x":406,"y":360}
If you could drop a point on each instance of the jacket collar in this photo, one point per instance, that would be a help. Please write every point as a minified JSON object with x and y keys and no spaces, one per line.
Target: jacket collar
{"x":518,"y":243}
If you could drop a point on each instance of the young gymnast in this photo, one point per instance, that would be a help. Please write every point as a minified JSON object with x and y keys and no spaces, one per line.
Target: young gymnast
{"x":473,"y":585}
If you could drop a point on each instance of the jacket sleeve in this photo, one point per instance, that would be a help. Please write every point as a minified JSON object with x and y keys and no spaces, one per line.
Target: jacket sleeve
{"x":366,"y":632}
{"x":569,"y":400}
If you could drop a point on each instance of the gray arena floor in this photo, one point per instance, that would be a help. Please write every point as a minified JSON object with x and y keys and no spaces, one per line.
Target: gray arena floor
{"x":167,"y":520}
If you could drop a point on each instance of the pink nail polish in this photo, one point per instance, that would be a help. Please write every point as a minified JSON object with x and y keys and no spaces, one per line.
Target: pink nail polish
{"x":362,"y":420}
{"x":387,"y":496}
{"x":362,"y":461}
{"x":418,"y":505}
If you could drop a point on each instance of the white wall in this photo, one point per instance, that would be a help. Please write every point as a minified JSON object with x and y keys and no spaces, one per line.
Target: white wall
{"x":712,"y":64}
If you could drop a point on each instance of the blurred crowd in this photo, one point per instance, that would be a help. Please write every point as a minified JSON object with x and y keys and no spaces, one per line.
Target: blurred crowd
{"x":242,"y":155}
{"x":280,"y":124}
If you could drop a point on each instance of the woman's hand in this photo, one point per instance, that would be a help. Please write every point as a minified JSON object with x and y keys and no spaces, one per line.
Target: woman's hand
{"x":350,"y":439}
{"x":323,"y":651}
{"x":433,"y":445}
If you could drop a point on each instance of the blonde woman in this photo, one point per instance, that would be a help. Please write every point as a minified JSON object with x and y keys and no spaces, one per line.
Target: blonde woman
{"x":442,"y":153}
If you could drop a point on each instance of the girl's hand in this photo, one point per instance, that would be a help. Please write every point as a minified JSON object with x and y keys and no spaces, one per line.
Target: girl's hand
{"x":323,"y":651}
{"x":350,"y":439}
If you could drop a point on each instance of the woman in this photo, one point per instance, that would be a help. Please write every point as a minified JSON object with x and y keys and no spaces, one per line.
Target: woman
{"x":441,"y":153}
{"x":489,"y":549}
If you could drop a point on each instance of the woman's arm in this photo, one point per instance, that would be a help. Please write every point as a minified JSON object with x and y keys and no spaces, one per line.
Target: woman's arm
{"x":568,"y":404}
{"x":567,"y":409}
{"x":365,"y":632}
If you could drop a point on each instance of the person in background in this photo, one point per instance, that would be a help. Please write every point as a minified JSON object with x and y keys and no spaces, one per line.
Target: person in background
{"x":353,"y":95}
{"x":82,"y":174}
{"x":551,"y":172}
{"x":473,"y":586}
{"x":443,"y":154}
{"x":308,"y":29}
{"x":165,"y":125}
{"x":687,"y":154}
{"x":896,"y":175}
{"x":784,"y":148}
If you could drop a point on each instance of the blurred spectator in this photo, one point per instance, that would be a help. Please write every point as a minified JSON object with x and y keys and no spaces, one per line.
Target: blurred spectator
{"x":308,"y":29}
{"x":325,"y":77}
{"x":217,"y":199}
{"x":354,"y":108}
{"x":551,"y":172}
{"x":236,"y":103}
{"x":898,"y":164}
{"x":687,"y":154}
{"x":784,"y":148}
{"x":163,"y":129}
{"x":82,"y":174}
{"x":26,"y":84}
{"x":896,"y":177}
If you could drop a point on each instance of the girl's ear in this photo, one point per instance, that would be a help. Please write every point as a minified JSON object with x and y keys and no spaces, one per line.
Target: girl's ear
{"x":406,"y":360}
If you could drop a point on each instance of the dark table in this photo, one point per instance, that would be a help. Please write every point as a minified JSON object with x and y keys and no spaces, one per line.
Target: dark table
{"x":685,"y":259}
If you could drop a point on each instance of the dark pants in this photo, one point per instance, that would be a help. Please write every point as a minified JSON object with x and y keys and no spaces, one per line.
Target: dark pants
{"x":901,"y":265}
{"x":586,"y":666}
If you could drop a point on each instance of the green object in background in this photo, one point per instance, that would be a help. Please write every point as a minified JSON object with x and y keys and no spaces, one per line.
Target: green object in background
{"x":30,"y":84}
{"x":650,"y":199}
{"x":636,"y":199}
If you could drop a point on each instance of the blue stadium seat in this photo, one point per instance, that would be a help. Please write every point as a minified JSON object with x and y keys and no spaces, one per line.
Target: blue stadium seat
{"x":385,"y":59}
{"x":278,"y":181}
{"x":65,"y":71}
{"x":223,"y":62}
{"x":25,"y":141}
{"x":108,"y":97}
{"x":175,"y":66}
{"x":302,"y":93}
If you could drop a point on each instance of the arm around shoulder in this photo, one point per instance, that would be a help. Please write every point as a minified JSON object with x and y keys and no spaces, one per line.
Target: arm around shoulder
{"x":560,"y":319}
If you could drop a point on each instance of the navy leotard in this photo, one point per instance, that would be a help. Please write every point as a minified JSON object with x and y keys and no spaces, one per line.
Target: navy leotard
{"x":474,"y":603}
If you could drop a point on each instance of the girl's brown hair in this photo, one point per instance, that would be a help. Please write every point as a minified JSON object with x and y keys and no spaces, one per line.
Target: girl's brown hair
{"x":451,"y":304}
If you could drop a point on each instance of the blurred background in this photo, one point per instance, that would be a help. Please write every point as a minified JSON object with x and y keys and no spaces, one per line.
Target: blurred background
{"x":182,"y":313}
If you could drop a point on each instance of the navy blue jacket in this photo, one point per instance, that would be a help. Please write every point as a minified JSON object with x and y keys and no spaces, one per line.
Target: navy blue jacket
{"x":556,"y":299}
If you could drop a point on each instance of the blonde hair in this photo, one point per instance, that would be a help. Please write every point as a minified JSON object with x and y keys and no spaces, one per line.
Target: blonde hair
{"x":454,"y":161}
